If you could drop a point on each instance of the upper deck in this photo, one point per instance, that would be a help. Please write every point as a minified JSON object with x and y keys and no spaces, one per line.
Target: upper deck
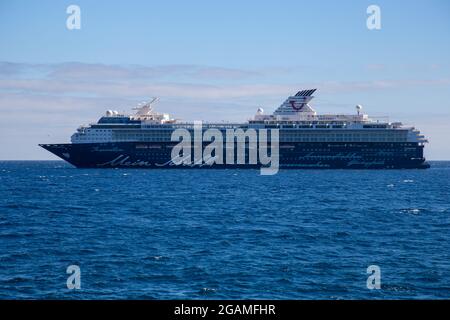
{"x":294,"y":118}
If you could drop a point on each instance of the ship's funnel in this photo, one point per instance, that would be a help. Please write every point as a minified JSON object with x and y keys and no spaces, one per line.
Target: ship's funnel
{"x":296,"y":104}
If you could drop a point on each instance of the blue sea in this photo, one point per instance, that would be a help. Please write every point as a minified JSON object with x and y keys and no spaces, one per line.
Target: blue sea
{"x":223,"y":234}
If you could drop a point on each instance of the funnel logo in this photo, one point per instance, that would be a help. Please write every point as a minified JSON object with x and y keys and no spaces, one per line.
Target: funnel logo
{"x":298,"y":107}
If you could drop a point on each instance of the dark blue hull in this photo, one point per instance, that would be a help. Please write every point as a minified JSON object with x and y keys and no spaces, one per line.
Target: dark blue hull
{"x":312,"y":155}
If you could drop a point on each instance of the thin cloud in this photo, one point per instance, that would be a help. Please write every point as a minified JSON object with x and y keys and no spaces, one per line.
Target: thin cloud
{"x":140,"y":90}
{"x":172,"y":81}
{"x":375,"y":66}
{"x":98,"y":71}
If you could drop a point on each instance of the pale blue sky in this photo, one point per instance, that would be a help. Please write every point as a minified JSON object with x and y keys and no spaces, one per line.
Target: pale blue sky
{"x":211,"y":60}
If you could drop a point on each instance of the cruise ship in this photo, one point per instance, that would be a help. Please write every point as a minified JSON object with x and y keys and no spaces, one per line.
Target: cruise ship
{"x":295,"y":133}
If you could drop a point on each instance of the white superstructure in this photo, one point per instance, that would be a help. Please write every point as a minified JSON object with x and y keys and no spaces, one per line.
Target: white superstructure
{"x":295,"y":118}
